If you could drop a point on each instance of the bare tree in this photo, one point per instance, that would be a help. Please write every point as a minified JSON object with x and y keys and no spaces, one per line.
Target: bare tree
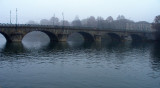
{"x":121,"y":22}
{"x":91,"y":22}
{"x":32,"y":22}
{"x":109,"y":19}
{"x":44,"y":22}
{"x":100,"y":22}
{"x":54,"y":21}
{"x":120,"y":17}
{"x":156,"y":23}
{"x":76,"y":22}
{"x":84,"y":23}
{"x":66,"y":23}
{"x":109,"y":22}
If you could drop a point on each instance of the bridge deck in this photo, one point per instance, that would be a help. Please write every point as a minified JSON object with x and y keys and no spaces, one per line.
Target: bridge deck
{"x":72,"y":28}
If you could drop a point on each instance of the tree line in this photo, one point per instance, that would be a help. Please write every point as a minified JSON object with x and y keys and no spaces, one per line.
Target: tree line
{"x":120,"y":23}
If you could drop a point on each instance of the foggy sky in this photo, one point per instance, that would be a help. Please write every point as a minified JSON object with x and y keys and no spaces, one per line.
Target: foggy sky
{"x":137,"y":10}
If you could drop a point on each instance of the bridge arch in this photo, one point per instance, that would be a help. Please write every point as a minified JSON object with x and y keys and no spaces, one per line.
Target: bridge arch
{"x":6,"y":36}
{"x":52,"y":36}
{"x":86,"y":36}
{"x":114,"y":36}
{"x":136,"y":37}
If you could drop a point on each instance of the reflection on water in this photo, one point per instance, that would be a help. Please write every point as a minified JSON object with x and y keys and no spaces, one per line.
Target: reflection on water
{"x":2,"y":42}
{"x":35,"y":45}
{"x":80,"y":65}
{"x":155,"y":59}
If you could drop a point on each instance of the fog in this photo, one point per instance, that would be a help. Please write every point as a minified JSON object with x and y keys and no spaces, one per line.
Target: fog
{"x":36,"y":10}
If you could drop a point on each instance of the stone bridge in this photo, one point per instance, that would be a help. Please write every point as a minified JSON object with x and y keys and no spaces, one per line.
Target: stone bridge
{"x":15,"y":33}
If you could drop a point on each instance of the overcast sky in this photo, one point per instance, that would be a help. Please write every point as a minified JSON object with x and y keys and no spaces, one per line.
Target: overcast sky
{"x":137,"y":10}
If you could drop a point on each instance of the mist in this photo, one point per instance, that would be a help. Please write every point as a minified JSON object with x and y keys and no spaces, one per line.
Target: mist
{"x":36,"y":10}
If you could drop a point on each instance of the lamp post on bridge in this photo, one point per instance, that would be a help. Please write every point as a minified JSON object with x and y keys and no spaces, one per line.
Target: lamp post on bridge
{"x":63,"y":18}
{"x":53,"y":19}
{"x":10,"y":18}
{"x":16,"y":18}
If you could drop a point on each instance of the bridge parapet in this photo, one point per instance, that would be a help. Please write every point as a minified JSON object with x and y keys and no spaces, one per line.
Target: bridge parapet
{"x":69,"y":27}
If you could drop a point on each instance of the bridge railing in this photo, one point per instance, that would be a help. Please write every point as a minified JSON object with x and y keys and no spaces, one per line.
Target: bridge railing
{"x":74,"y":27}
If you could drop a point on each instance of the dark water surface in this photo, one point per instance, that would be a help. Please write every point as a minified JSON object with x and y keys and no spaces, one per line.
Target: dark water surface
{"x":75,"y":65}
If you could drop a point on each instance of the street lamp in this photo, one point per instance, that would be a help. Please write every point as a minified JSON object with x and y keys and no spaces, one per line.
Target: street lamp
{"x":53,"y":19}
{"x":16,"y":16}
{"x":10,"y":17}
{"x":63,"y":18}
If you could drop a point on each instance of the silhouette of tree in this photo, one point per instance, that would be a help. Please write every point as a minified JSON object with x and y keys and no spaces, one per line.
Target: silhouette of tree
{"x":54,"y":21}
{"x":121,"y":22}
{"x":120,"y":17}
{"x":156,"y":23}
{"x":44,"y":22}
{"x":66,"y":23}
{"x":32,"y":22}
{"x":84,"y":22}
{"x":100,"y":22}
{"x":91,"y":22}
{"x":157,"y":19}
{"x":76,"y":22}
{"x":156,"y":26}
{"x":109,"y":22}
{"x":109,"y":19}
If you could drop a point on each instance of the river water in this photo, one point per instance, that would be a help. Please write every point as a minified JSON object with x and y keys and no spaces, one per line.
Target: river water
{"x":80,"y":65}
